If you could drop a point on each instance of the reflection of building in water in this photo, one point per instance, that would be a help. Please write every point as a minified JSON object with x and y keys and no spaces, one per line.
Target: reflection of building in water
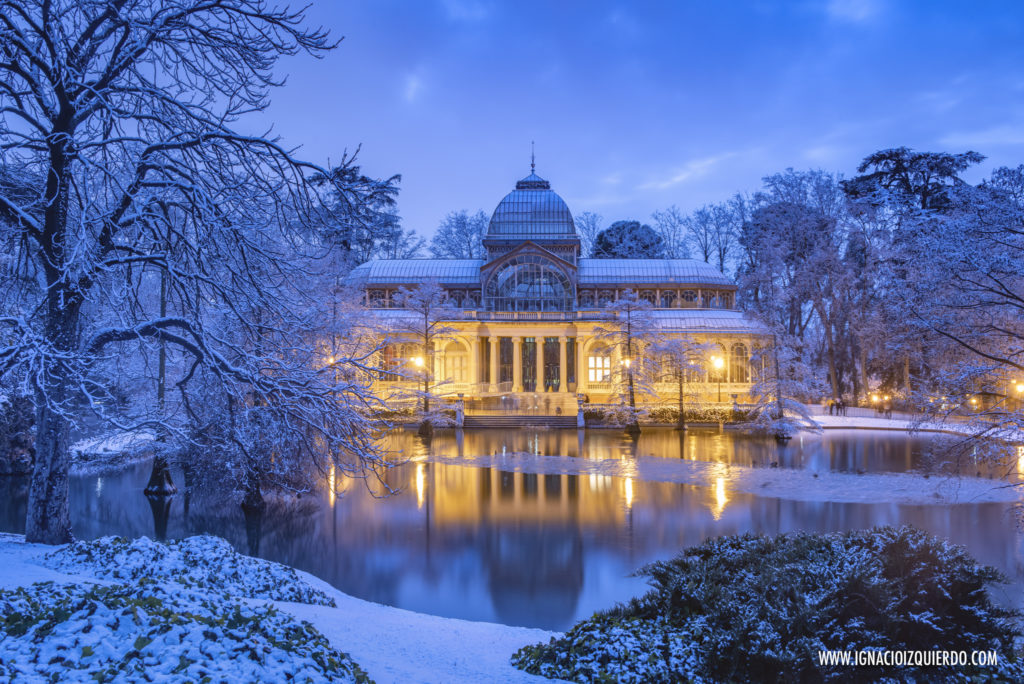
{"x":535,"y":573}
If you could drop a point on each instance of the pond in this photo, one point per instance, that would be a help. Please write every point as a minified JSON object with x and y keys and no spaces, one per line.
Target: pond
{"x":539,"y":550}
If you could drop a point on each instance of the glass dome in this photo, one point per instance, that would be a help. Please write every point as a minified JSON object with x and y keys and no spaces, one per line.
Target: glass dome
{"x":532,"y":210}
{"x":528,"y":283}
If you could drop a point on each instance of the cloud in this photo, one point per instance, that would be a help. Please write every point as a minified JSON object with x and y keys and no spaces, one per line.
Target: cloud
{"x":413,"y":87}
{"x":853,"y":11}
{"x":695,"y":168}
{"x":1006,"y":134}
{"x":466,"y":10}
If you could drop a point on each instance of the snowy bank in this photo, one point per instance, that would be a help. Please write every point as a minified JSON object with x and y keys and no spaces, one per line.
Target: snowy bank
{"x":390,"y":644}
{"x":112,"y":451}
{"x":780,"y":483}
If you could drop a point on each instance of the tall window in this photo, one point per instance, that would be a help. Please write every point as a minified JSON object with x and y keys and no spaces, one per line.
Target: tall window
{"x":668,"y":299}
{"x":570,"y":360}
{"x":599,"y":366}
{"x":739,"y":366}
{"x":506,"y":350}
{"x":455,"y":362}
{"x":689,"y":299}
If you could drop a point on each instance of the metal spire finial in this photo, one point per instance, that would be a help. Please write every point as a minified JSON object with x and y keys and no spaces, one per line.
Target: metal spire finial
{"x":533,"y":158}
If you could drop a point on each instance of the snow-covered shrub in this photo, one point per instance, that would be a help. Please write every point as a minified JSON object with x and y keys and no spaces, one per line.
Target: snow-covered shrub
{"x":149,"y":632}
{"x":201,"y":562}
{"x":750,"y":607}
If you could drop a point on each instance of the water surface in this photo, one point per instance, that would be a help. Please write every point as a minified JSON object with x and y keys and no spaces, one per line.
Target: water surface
{"x":540,"y":550}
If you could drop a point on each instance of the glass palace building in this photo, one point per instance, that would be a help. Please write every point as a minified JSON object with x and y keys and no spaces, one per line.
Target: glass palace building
{"x":530,"y":321}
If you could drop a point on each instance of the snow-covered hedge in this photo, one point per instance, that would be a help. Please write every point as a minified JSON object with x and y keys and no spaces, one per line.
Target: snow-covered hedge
{"x":749,"y":607}
{"x":201,"y":562}
{"x":152,"y":632}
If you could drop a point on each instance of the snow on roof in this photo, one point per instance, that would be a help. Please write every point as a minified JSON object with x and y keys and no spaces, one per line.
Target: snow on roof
{"x":649,"y":271}
{"x":592,"y":272}
{"x":410,"y":271}
{"x":706,"y":320}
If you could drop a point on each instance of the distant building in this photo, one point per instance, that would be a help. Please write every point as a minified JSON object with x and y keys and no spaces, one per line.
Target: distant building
{"x":528,"y":312}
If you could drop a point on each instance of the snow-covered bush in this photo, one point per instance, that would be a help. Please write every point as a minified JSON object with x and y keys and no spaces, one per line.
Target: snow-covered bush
{"x":148,"y":632}
{"x":201,"y":562}
{"x":750,"y":607}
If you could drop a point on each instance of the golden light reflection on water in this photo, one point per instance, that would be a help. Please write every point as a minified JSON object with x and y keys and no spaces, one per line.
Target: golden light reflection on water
{"x":628,"y":491}
{"x":332,"y":491}
{"x":720,"y":498}
{"x":1020,"y":459}
{"x":421,"y":484}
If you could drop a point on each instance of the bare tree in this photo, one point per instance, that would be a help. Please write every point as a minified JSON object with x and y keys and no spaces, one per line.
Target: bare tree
{"x":671,"y":225}
{"x":683,"y":360}
{"x":460,"y":236}
{"x":588,"y":225}
{"x":426,"y":325}
{"x":700,"y":229}
{"x":126,"y":111}
{"x":630,"y":330}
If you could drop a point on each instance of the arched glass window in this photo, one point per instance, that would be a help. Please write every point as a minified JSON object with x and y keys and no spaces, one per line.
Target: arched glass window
{"x":689,"y":299}
{"x":586,"y":299}
{"x":739,"y":364}
{"x":647,"y":296}
{"x":605,"y":297}
{"x":528,"y":283}
{"x":668,"y":299}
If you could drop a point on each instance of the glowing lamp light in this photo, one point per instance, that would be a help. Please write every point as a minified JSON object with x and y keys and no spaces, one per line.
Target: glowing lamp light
{"x":628,"y":362}
{"x":887,"y":397}
{"x":418,"y":361}
{"x":1020,"y":388}
{"x":330,"y":360}
{"x":974,"y":400}
{"x":874,"y":398}
{"x":718,"y":362}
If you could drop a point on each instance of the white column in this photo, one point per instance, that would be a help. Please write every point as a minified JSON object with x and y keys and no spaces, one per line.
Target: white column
{"x":474,"y":363}
{"x":581,"y":365}
{"x":517,"y":364}
{"x":493,"y":385}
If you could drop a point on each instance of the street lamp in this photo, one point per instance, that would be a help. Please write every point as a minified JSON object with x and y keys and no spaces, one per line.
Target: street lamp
{"x":718,"y":362}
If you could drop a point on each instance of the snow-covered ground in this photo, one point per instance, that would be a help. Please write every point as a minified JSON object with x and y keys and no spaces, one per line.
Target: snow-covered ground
{"x":112,"y":451}
{"x":391,"y":644}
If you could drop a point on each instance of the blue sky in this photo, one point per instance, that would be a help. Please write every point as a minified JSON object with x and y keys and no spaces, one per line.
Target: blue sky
{"x":636,"y":106}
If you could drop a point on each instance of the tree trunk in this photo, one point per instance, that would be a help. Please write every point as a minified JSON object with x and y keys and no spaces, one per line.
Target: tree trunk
{"x":48,"y":520}
{"x":864,"y":371}
{"x":160,"y":482}
{"x":681,"y":423}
